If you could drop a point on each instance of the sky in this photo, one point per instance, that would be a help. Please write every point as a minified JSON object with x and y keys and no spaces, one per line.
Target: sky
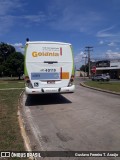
{"x":82,"y":23}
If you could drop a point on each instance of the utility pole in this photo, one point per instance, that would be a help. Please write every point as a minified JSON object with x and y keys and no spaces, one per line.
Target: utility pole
{"x":85,"y":64}
{"x":89,"y":49}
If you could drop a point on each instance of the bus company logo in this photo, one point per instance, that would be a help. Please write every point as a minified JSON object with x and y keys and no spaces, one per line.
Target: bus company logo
{"x":37,"y":54}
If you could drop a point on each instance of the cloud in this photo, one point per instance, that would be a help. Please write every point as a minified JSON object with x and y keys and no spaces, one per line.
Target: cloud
{"x":58,"y":16}
{"x":112,"y":44}
{"x":117,"y":48}
{"x":79,"y":57}
{"x":18,"y":44}
{"x":68,"y":15}
{"x":105,"y":33}
{"x":19,"y":47}
{"x":7,"y":6}
{"x":108,"y":33}
{"x":35,"y":18}
{"x":70,"y":20}
{"x":7,"y":20}
{"x":101,"y":42}
{"x":112,"y":55}
{"x":109,"y":43}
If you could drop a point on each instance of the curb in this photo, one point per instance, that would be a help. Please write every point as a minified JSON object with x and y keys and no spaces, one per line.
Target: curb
{"x":22,"y":128}
{"x":98,"y":89}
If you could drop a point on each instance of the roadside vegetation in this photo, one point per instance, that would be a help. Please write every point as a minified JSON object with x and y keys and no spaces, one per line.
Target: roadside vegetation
{"x":11,"y":61}
{"x":111,"y":86}
{"x":11,"y":65}
{"x":11,"y":84}
{"x":10,"y":136}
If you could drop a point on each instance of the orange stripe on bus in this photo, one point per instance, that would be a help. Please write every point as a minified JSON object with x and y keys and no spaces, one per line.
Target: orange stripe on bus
{"x":65,"y":75}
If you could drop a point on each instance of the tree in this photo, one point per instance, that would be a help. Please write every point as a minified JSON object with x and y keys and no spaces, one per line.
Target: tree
{"x":15,"y":64}
{"x":11,"y":62}
{"x":5,"y":51}
{"x":84,"y":68}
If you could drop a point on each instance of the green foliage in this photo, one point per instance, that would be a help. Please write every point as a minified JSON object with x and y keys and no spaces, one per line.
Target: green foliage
{"x":14,"y":64}
{"x":5,"y":51}
{"x":84,"y":68}
{"x":11,"y":62}
{"x":11,"y":84}
{"x":10,"y":135}
{"x":111,"y":86}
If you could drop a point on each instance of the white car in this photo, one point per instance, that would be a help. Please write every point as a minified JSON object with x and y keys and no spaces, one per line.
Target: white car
{"x":101,"y":77}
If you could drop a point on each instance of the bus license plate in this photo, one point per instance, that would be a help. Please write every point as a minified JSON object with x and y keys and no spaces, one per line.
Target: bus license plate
{"x":51,"y":82}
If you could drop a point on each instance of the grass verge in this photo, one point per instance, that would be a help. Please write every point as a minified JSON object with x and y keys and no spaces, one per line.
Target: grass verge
{"x":111,"y":86}
{"x":11,"y":84}
{"x":10,"y":136}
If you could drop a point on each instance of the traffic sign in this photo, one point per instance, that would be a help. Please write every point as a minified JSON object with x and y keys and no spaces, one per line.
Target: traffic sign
{"x":93,"y":70}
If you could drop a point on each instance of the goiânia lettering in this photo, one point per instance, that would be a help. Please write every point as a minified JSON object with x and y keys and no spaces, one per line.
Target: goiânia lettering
{"x":37,"y":54}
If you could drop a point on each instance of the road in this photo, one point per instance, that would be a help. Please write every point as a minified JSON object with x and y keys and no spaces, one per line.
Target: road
{"x":86,"y":120}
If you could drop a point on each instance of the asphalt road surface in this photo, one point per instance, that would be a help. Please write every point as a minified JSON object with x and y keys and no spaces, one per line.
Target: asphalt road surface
{"x":86,"y":120}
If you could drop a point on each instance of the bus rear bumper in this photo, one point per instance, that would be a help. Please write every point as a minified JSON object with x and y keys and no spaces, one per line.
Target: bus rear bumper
{"x":69,"y":89}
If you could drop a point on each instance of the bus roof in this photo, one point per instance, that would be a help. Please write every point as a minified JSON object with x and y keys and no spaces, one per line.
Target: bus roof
{"x":47,"y":42}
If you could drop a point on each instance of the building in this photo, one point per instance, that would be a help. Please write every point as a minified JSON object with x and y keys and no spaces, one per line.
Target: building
{"x":109,"y":66}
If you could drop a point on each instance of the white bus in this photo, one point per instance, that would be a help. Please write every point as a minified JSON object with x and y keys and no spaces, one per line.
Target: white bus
{"x":49,"y":67}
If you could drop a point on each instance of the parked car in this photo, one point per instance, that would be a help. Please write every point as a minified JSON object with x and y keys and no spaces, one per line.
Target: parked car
{"x":101,"y":77}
